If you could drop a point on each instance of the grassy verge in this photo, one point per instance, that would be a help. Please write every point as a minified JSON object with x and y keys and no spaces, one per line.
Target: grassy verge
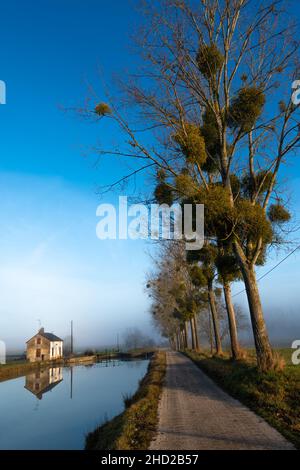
{"x":18,"y":369}
{"x":275,"y":395}
{"x":134,"y":428}
{"x":11,"y":371}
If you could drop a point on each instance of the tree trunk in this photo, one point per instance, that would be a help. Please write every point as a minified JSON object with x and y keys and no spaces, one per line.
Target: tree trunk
{"x":210,"y":335}
{"x":215,"y":319}
{"x":177,"y":341}
{"x":235,"y":347}
{"x":197,"y":345}
{"x":186,"y":335}
{"x":192,"y":334}
{"x":182,"y":340}
{"x":265,"y":360}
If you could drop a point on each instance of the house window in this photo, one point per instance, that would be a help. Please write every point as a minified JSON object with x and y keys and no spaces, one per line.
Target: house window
{"x":38,"y":341}
{"x":38,"y":353}
{"x":52,"y":351}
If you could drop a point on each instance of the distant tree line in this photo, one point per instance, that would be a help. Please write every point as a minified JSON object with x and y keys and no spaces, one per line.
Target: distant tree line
{"x":134,"y":338}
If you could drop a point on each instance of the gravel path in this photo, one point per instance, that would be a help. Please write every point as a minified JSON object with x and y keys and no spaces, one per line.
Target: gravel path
{"x":195,"y":414}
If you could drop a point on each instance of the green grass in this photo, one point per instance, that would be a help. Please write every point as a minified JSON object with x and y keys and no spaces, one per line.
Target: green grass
{"x":274,"y":395}
{"x":135,"y":427}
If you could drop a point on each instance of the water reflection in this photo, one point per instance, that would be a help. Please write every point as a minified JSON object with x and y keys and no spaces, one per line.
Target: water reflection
{"x":42,"y":381}
{"x":79,"y":399}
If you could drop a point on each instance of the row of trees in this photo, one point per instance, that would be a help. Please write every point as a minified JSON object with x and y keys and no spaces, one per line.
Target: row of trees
{"x":182,"y":302}
{"x":211,"y":113}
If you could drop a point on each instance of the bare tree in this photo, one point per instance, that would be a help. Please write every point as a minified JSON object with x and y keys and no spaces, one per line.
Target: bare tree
{"x":200,"y":116}
{"x":175,"y":299}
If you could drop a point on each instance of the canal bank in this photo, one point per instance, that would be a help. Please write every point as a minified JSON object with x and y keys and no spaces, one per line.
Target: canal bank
{"x":13,"y":371}
{"x":18,"y":369}
{"x":135,"y":427}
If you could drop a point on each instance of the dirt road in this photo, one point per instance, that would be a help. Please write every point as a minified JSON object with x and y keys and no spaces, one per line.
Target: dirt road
{"x":195,"y":414}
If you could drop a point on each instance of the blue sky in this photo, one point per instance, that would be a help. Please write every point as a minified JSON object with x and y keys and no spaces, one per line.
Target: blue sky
{"x":52,"y":266}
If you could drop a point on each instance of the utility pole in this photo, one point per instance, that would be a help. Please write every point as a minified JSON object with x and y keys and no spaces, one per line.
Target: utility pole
{"x":71,"y":337}
{"x":71,"y":379}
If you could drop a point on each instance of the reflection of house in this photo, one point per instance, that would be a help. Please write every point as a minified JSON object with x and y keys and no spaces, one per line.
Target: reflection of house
{"x":44,"y":347}
{"x":40,"y":382}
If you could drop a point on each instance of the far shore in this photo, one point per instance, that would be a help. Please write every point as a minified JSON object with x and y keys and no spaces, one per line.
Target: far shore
{"x":16,"y":369}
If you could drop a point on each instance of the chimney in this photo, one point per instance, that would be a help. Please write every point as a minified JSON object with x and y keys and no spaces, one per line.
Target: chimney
{"x":41,"y":331}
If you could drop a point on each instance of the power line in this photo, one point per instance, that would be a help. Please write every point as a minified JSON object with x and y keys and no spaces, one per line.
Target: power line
{"x":272,"y":269}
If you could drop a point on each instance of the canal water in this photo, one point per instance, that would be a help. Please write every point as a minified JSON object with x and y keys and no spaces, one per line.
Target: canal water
{"x":56,"y":407}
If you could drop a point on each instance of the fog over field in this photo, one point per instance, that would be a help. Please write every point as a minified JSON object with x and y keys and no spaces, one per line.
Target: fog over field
{"x":54,"y":269}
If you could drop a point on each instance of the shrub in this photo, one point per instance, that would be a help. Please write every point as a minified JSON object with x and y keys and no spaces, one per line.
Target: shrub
{"x":127,"y":400}
{"x":210,"y":60}
{"x":210,"y":133}
{"x":185,"y":185}
{"x":278,"y":214}
{"x":102,"y":109}
{"x":197,"y":276}
{"x":246,"y":108}
{"x":251,"y":222}
{"x":191,"y":143}
{"x":217,"y":210}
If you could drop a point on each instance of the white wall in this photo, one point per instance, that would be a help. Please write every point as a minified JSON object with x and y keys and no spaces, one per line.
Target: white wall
{"x":56,"y":349}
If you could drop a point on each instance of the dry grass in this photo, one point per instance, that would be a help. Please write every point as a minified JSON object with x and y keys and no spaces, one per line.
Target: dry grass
{"x":279,"y":361}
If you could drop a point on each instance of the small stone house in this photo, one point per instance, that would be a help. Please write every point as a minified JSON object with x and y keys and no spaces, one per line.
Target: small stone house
{"x":44,"y":347}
